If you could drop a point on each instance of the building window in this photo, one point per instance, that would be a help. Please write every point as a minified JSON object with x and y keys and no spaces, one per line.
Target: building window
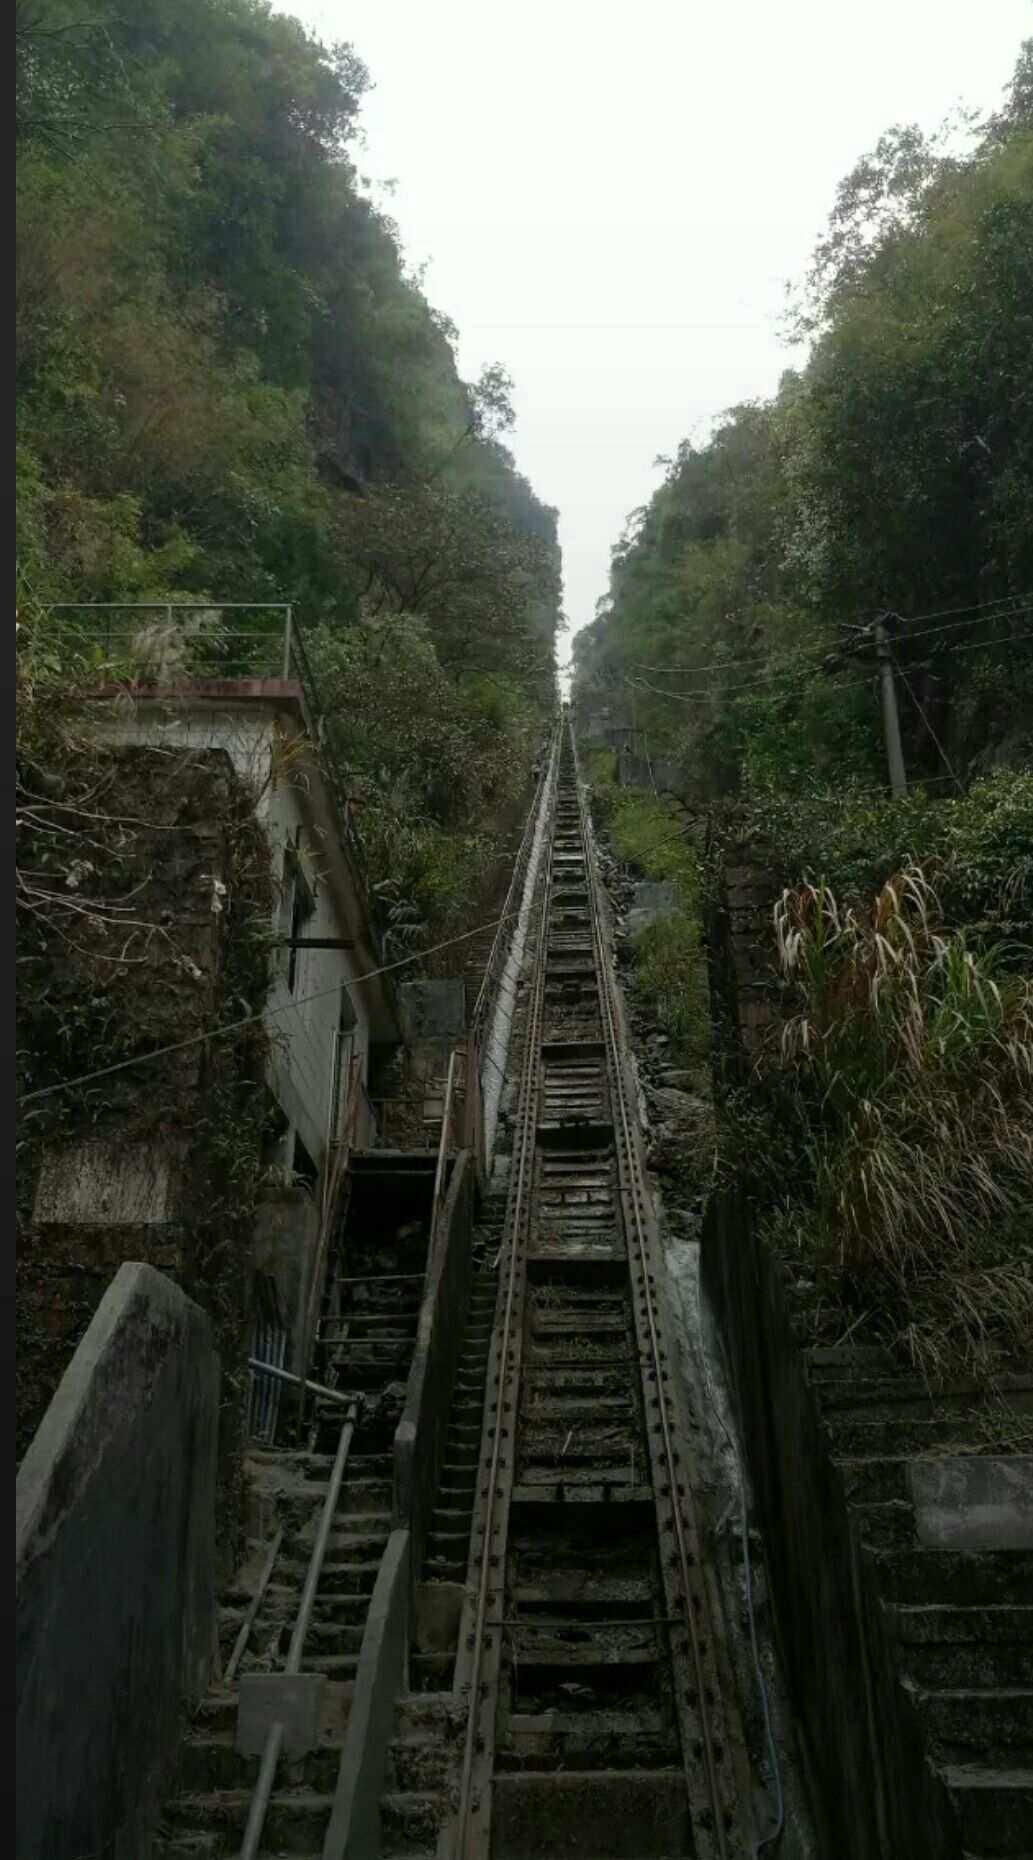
{"x":302,"y":905}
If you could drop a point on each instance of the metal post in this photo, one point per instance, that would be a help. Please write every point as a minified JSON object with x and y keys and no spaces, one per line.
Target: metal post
{"x":287,"y":642}
{"x":890,"y":719}
{"x":315,"y":1568}
{"x":263,"y":1790}
{"x":252,"y":1609}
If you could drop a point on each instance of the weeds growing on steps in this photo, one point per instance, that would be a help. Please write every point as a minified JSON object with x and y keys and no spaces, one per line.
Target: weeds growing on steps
{"x":901,"y":1092}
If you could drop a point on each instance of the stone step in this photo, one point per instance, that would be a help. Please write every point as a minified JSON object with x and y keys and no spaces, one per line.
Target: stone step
{"x":295,"y":1824}
{"x":432,"y":1672}
{"x":280,"y":1608}
{"x":449,"y":1546}
{"x":347,"y":1578}
{"x":214,"y":1763}
{"x":591,"y":1815}
{"x":858,"y":1435}
{"x":961,"y":1577}
{"x":597,"y":1742}
{"x":462,"y":1462}
{"x":347,"y":1546}
{"x":429,"y":1713}
{"x":994,"y":1808}
{"x":449,"y":1517}
{"x":980,"y":1648}
{"x":360,"y":1492}
{"x":869,"y":1481}
{"x":968,"y":1723}
{"x":339,"y":1666}
{"x":333,"y":1637}
{"x":409,"y":1822}
{"x":419,"y":1762}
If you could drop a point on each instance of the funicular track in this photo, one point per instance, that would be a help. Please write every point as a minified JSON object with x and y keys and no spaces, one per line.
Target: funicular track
{"x":600,"y":1711}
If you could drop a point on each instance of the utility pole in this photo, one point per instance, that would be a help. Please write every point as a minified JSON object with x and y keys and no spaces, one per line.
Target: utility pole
{"x":890,"y":719}
{"x":877,"y":632}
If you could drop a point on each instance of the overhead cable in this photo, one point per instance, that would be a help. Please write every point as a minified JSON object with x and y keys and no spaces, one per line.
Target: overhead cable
{"x":249,"y":1020}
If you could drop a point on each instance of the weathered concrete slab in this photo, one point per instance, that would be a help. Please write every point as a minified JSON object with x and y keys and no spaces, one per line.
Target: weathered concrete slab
{"x":439,"y":1606}
{"x":434,"y":1010}
{"x":295,"y":1700}
{"x":115,"y":1605}
{"x":99,"y":1182}
{"x":653,"y":900}
{"x":974,"y":1503}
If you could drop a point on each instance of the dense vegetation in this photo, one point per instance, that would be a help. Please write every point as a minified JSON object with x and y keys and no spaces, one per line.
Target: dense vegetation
{"x":895,"y":472}
{"x":887,"y":1134}
{"x":230,"y":387}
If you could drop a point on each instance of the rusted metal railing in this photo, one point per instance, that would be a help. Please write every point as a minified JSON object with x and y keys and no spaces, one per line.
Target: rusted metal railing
{"x":274,"y":1741}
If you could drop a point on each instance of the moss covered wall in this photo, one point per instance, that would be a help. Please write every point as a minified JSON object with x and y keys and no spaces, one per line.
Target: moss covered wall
{"x":148,"y":926}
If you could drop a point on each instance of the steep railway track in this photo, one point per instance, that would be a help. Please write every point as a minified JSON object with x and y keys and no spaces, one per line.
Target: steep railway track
{"x":600,"y":1710}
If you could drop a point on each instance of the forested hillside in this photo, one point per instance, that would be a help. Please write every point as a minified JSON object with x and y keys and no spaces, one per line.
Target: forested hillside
{"x":884,"y":1129}
{"x":894,"y":472}
{"x":232,"y":388}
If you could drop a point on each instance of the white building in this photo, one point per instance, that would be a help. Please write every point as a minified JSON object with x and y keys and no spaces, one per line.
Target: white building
{"x":328,"y":1007}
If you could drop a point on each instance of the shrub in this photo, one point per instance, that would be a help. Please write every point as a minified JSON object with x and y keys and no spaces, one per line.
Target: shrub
{"x":907,"y":1069}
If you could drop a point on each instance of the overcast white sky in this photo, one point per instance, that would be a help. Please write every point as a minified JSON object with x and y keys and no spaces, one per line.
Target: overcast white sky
{"x":611,"y":198}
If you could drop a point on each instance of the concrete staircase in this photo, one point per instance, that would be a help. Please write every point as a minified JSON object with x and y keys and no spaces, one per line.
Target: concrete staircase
{"x":958,"y":1619}
{"x":208,"y":1810}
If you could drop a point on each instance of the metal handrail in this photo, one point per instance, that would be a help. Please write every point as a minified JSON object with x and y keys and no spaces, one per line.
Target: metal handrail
{"x":298,"y":1382}
{"x":274,"y":1739}
{"x":252,"y":1609}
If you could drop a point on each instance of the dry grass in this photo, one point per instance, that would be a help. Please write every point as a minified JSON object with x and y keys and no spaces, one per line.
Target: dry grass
{"x":910,"y":1065}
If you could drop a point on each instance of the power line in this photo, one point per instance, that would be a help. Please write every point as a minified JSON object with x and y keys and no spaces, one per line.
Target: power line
{"x":716,"y":665}
{"x":1004,"y":613}
{"x":248,"y":1020}
{"x":1014,"y":639}
{"x":1001,"y":601}
{"x":747,"y":684}
{"x":764,"y":678}
{"x":982,"y":612}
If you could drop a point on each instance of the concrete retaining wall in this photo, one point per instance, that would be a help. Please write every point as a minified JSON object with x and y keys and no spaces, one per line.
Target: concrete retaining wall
{"x":115,"y":1605}
{"x":843,"y":1553}
{"x":419,"y":1445}
{"x":805,"y":1528}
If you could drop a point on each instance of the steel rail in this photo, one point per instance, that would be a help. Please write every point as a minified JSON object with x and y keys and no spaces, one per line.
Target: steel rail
{"x":524,"y":1151}
{"x":635,"y":1198}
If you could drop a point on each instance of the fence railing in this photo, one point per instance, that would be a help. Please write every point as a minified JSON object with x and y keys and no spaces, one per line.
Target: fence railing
{"x":158,"y":644}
